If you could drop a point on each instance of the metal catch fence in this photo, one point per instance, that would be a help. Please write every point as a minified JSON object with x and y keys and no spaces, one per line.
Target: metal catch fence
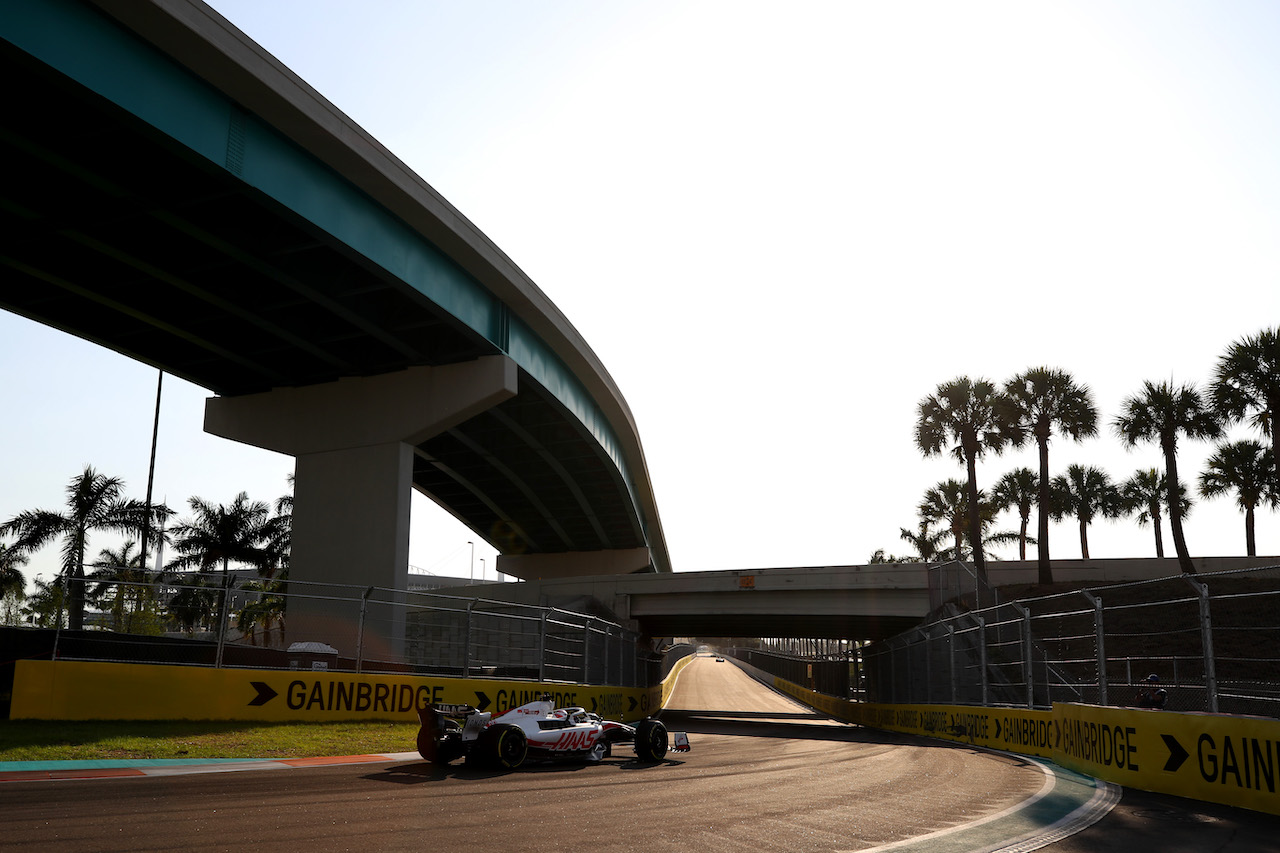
{"x":828,"y":674}
{"x":1212,"y":641}
{"x":211,"y":620}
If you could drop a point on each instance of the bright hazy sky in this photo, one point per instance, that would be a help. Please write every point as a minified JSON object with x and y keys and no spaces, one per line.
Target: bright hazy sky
{"x":780,"y":226}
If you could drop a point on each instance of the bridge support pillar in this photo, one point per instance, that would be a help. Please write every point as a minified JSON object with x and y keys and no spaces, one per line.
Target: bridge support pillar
{"x":353,"y":440}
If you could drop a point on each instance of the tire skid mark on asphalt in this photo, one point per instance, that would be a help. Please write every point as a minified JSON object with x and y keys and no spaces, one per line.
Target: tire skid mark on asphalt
{"x":1066,"y":803}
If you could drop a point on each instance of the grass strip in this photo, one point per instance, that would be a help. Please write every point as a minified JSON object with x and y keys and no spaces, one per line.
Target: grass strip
{"x":41,"y":740}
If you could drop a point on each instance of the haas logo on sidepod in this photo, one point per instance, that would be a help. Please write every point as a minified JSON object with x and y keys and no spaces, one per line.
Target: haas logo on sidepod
{"x":574,"y":740}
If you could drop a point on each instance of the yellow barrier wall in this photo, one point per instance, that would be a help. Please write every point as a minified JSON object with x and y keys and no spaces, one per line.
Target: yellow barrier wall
{"x":1011,"y":729}
{"x":78,"y":690}
{"x":1216,"y":758}
{"x":1221,"y":759}
{"x":669,"y":683}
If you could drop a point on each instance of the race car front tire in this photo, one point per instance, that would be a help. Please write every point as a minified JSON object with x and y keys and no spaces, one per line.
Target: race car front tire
{"x":651,"y":740}
{"x":501,"y":748}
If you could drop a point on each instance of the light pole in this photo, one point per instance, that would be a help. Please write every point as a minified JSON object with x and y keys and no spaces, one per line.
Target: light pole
{"x":473,"y":561}
{"x":151,"y":475}
{"x":482,"y":568}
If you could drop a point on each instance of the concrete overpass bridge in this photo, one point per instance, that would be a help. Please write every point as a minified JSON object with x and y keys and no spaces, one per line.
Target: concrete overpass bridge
{"x":174,"y":193}
{"x":833,"y":602}
{"x":863,"y":602}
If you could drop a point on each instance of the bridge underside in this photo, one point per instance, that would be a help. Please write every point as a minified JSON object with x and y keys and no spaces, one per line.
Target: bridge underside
{"x":114,"y":232}
{"x":833,"y":613}
{"x":808,"y":626}
{"x":825,"y":602}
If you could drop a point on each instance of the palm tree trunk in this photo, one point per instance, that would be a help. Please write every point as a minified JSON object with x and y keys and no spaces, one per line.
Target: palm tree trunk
{"x":74,"y":593}
{"x":975,"y":522}
{"x":1250,"y":544}
{"x":75,"y":599}
{"x":1084,"y":539}
{"x":1275,"y":430}
{"x":1155,"y":522}
{"x":1042,"y":526}
{"x":1022,"y":538}
{"x":1175,"y":512}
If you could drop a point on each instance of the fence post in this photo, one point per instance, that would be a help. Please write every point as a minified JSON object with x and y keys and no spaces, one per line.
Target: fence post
{"x":982,"y":659}
{"x":61,"y":586}
{"x":364,"y":606}
{"x":466,"y":640}
{"x":542,"y":646}
{"x":223,"y":611}
{"x":1028,"y":670}
{"x":888,"y":681}
{"x":617,"y":671}
{"x":586,"y":650}
{"x":928,"y":668}
{"x":951,"y":660}
{"x":905,"y":696}
{"x":1099,"y":642}
{"x":1206,"y":641}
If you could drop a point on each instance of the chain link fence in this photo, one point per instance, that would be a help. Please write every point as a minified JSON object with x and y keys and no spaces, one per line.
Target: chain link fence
{"x":1212,"y":640}
{"x":215,"y":620}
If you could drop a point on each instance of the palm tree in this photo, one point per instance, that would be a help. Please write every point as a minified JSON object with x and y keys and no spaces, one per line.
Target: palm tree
{"x":969,"y":413}
{"x":1246,"y":468}
{"x":1248,"y":380}
{"x":1161,"y":413}
{"x":94,"y":503}
{"x":123,"y":584}
{"x":112,"y":571}
{"x":1020,"y":489}
{"x":193,"y":603}
{"x":1086,"y":493}
{"x":927,"y":542}
{"x":946,"y":504}
{"x":267,"y":609}
{"x":11,"y":579}
{"x":1041,"y":400}
{"x":46,"y":607}
{"x":217,"y":536}
{"x":1145,"y":493}
{"x":277,"y":536}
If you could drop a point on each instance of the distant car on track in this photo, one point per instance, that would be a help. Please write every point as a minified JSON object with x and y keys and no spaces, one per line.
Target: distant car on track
{"x":536,"y":731}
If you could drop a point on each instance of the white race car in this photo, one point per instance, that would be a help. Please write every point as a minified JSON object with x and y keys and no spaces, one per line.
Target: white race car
{"x":536,"y":731}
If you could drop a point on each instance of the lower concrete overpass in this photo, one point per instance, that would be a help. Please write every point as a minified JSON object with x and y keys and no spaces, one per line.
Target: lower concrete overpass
{"x":868,"y":602}
{"x":836,"y":602}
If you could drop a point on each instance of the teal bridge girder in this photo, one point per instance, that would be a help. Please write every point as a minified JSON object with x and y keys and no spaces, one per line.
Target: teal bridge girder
{"x":177,"y":195}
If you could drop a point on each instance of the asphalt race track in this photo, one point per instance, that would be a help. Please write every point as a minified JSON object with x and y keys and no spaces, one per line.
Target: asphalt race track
{"x":764,"y":774}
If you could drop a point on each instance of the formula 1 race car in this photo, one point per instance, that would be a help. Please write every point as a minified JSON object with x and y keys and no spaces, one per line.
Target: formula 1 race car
{"x":536,"y":731}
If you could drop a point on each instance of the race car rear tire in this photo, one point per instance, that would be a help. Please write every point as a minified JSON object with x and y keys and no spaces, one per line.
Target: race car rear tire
{"x":651,"y":740}
{"x":501,"y":747}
